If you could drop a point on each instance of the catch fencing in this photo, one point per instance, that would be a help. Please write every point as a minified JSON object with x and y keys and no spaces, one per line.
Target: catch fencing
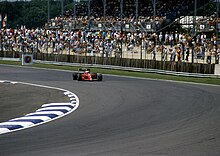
{"x":185,"y":67}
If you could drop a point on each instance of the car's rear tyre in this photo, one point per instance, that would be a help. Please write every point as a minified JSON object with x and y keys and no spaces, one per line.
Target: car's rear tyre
{"x":99,"y":77}
{"x":74,"y":76}
{"x":79,"y":77}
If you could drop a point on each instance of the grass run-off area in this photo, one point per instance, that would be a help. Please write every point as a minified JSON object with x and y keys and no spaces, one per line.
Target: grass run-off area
{"x":215,"y":81}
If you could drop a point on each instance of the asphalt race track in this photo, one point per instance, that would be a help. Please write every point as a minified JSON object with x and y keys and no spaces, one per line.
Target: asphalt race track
{"x":117,"y":117}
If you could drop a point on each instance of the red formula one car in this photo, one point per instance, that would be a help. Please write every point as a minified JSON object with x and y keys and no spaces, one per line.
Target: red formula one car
{"x":84,"y":74}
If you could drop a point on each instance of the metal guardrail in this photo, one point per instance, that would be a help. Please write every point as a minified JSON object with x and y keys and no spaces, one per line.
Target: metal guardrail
{"x":144,"y":70}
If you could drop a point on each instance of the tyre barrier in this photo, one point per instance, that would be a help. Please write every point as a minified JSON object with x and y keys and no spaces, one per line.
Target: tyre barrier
{"x":46,"y":113}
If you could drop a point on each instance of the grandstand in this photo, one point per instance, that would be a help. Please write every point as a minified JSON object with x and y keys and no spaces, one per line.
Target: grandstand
{"x":137,"y":15}
{"x":127,"y":30}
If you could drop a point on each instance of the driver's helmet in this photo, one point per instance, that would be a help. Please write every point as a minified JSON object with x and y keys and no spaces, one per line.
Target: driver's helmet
{"x":86,"y":71}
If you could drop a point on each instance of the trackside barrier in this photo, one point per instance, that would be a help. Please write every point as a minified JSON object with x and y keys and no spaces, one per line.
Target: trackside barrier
{"x":132,"y":69}
{"x":145,"y":70}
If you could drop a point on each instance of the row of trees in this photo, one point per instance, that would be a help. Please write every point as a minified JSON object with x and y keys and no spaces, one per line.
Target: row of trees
{"x":33,"y":13}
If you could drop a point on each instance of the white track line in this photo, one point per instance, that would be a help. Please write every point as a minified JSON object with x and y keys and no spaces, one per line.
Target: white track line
{"x":43,"y":118}
{"x":58,"y":113}
{"x":57,"y":104}
{"x":46,"y":113}
{"x":23,"y":124}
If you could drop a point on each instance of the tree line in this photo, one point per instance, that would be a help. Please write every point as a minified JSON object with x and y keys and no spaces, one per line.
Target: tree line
{"x":31,"y":14}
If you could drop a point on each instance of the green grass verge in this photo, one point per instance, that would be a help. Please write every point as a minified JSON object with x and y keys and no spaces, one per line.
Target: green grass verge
{"x":125,"y":73}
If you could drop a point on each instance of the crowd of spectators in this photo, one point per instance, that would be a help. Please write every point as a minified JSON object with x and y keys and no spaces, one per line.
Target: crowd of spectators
{"x":61,"y":36}
{"x":169,"y":45}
